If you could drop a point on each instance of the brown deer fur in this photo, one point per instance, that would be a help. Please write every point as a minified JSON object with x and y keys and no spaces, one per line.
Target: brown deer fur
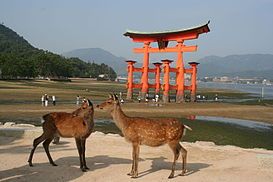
{"x":150,"y":132}
{"x":78,"y":124}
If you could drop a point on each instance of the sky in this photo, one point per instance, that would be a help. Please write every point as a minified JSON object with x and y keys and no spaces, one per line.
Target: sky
{"x":237,"y":26}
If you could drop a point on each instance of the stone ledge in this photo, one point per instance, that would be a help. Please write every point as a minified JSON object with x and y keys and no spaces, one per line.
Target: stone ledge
{"x":20,"y":132}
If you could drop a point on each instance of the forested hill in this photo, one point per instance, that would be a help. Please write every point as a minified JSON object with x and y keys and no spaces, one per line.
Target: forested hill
{"x":19,"y":59}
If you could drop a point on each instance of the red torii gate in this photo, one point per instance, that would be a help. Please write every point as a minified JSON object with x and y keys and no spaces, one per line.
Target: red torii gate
{"x":163,"y":38}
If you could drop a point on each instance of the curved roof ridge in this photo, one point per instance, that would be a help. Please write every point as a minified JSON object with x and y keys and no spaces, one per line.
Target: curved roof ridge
{"x":132,"y":32}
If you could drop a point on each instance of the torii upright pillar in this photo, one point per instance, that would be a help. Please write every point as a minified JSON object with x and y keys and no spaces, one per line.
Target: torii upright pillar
{"x":157,"y":77}
{"x":180,"y":73}
{"x":166,"y":86}
{"x":193,"y":80}
{"x":145,"y":71}
{"x":130,"y":70}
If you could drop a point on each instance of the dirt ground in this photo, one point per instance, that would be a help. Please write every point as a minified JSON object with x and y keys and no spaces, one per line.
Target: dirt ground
{"x":109,"y":159}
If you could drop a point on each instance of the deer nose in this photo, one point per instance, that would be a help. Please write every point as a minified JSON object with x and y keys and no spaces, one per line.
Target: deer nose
{"x":98,"y":106}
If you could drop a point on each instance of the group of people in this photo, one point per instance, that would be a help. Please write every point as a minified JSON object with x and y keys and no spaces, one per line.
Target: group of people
{"x":45,"y":99}
{"x":202,"y":97}
{"x":155,"y":99}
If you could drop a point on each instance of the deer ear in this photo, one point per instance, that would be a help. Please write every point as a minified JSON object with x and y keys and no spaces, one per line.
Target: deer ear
{"x":115,"y":97}
{"x":110,"y":96}
{"x":89,"y":103}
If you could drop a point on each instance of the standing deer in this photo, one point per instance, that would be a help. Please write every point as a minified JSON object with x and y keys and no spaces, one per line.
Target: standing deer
{"x":150,"y":132}
{"x":78,"y":124}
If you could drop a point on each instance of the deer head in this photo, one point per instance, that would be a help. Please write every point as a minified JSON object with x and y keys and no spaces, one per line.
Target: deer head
{"x":86,"y":108}
{"x":110,"y":103}
{"x":86,"y":103}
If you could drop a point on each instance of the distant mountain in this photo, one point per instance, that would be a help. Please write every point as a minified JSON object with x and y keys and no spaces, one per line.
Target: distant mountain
{"x":19,"y":59}
{"x":249,"y":65}
{"x":99,"y":56}
{"x":11,"y":42}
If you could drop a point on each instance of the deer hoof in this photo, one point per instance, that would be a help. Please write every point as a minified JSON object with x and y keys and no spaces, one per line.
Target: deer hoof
{"x":171,"y":176}
{"x":134,"y":175}
{"x":183,"y":172}
{"x":85,"y":167}
{"x":53,"y":164}
{"x":30,"y":164}
{"x":130,"y":173}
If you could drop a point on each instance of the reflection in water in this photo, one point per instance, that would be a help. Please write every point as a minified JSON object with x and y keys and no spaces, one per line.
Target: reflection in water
{"x":241,"y":122}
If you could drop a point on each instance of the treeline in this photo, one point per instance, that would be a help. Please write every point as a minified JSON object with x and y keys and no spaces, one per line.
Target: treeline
{"x":18,"y":59}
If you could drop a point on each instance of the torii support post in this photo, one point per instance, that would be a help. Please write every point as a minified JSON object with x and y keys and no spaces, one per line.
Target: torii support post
{"x":180,"y":82}
{"x":193,"y":80}
{"x":166,"y":88}
{"x":145,"y":71}
{"x":157,"y":77}
{"x":130,"y":83}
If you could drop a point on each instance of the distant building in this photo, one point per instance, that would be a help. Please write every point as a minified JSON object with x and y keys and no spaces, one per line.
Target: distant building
{"x":121,"y":79}
{"x":222,"y":79}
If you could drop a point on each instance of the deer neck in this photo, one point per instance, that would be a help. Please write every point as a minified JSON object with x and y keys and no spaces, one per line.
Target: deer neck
{"x":89,"y":117}
{"x":119,"y":117}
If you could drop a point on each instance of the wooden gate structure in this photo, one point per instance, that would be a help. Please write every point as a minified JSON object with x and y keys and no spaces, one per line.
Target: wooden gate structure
{"x":163,"y":39}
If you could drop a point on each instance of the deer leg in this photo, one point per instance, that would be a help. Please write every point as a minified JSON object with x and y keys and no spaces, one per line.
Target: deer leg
{"x":80,"y":151}
{"x":36,"y":142}
{"x":83,"y":141}
{"x":184,"y":160}
{"x":56,"y":140}
{"x":176,"y":147}
{"x":46,"y":147}
{"x":135,"y":162}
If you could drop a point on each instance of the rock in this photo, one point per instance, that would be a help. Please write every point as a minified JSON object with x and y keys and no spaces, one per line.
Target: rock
{"x":97,"y":133}
{"x":25,"y":125}
{"x":9,"y":124}
{"x":203,"y":143}
{"x":113,"y":135}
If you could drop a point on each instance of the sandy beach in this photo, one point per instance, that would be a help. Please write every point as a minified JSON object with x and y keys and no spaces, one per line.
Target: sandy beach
{"x":109,"y":159}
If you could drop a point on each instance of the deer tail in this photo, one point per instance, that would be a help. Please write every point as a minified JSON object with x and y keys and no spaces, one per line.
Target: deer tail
{"x":185,"y":129}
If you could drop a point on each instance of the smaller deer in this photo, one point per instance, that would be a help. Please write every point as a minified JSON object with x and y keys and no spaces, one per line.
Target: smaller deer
{"x":78,"y":124}
{"x":150,"y":132}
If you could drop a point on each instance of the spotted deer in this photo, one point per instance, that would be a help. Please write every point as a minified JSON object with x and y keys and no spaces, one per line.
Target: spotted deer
{"x":146,"y":131}
{"x":78,"y":124}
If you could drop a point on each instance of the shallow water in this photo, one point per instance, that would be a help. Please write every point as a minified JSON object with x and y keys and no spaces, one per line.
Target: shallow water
{"x":238,"y":122}
{"x":255,"y":89}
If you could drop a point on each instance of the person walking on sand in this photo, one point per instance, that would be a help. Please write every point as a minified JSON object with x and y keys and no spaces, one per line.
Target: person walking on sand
{"x":46,"y":100}
{"x":77,"y":100}
{"x":147,"y":98}
{"x":156,"y":98}
{"x":43,"y":100}
{"x":53,"y":100}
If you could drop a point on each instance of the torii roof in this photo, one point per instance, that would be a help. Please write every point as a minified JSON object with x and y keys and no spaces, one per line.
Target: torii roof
{"x":168,"y":34}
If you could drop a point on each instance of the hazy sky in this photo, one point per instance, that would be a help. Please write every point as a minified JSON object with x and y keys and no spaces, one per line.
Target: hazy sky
{"x":237,"y":26}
